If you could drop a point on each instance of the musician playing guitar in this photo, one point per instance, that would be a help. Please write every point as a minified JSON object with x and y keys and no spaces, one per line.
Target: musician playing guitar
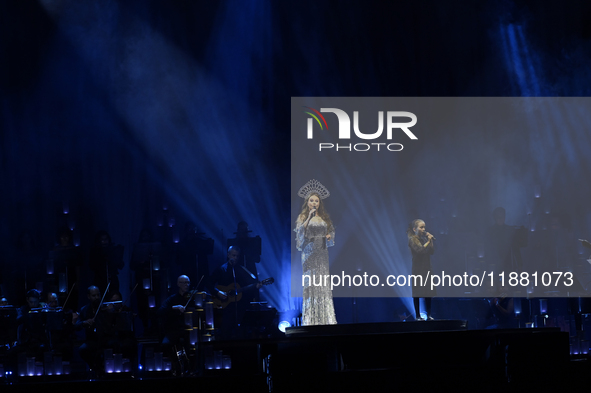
{"x":232,"y":275}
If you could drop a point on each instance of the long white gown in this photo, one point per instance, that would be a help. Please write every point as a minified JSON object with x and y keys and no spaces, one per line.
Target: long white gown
{"x":318,"y":306}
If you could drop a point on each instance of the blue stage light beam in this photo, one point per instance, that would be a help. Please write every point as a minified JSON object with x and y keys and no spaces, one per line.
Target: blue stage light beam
{"x":203,"y":125}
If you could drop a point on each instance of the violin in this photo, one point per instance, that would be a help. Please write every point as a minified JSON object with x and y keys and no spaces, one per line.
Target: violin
{"x":112,"y":303}
{"x":115,"y":306}
{"x":188,"y":295}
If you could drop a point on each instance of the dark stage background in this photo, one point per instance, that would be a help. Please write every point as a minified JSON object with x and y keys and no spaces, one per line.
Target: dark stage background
{"x":149,"y":114}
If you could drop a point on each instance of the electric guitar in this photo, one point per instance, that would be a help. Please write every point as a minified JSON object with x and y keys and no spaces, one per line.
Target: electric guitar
{"x":230,"y":292}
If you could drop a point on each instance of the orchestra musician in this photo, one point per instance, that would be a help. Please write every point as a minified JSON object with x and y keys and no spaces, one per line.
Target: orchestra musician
{"x":31,"y":337}
{"x":89,"y":350}
{"x":106,"y":325}
{"x":250,"y":250}
{"x":59,"y":327}
{"x":31,"y":330}
{"x":231,"y":275}
{"x":118,"y":333}
{"x":172,"y":317}
{"x":51,"y":300}
{"x":115,"y":302}
{"x":7,"y":323}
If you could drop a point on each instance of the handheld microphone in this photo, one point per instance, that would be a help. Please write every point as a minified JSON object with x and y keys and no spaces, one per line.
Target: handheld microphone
{"x":314,"y":212}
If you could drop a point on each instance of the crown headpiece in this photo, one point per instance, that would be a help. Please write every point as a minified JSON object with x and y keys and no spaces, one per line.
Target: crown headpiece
{"x":311,"y":187}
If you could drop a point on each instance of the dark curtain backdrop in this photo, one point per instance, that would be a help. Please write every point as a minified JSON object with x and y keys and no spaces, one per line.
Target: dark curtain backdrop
{"x":139,"y":114}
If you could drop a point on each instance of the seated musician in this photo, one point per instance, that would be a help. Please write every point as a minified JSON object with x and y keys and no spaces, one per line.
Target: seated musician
{"x":172,"y":311}
{"x":31,"y":338}
{"x":222,"y":286}
{"x":90,"y":350}
{"x":51,"y":300}
{"x":172,"y":318}
{"x":110,"y":329}
{"x":115,"y":302}
{"x":118,"y":326}
{"x":7,"y":324}
{"x":59,"y":327}
{"x":31,"y":330}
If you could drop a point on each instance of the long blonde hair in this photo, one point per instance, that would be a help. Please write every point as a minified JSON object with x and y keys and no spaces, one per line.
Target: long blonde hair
{"x":321,"y":212}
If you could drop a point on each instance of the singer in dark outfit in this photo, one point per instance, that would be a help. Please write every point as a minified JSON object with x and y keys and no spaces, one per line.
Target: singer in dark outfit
{"x":421,"y":247}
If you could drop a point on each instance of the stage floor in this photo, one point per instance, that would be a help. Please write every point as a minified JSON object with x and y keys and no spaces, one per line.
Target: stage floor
{"x":376,"y":328}
{"x":403,"y":355}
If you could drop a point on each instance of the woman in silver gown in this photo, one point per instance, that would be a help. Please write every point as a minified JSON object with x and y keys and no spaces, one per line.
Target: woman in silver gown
{"x":314,"y":233}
